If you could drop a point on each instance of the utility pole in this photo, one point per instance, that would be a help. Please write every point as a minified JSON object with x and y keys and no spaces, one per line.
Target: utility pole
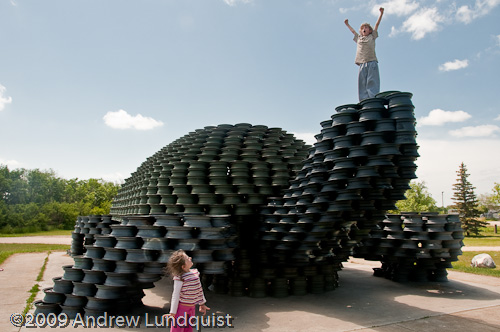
{"x":442,"y":199}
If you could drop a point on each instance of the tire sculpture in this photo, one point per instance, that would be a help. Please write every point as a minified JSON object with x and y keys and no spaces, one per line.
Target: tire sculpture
{"x":261,"y":213}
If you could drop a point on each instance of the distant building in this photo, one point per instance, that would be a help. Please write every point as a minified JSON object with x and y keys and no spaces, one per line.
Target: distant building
{"x":491,"y":215}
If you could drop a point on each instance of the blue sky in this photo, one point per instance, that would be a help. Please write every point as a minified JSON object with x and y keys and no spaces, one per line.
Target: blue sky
{"x":92,"y":88}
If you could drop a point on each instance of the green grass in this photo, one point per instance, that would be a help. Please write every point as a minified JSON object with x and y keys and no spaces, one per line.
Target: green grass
{"x":29,"y":302}
{"x":45,"y":233}
{"x":490,"y":231}
{"x":8,"y":249}
{"x":487,"y":238}
{"x":463,"y":263}
{"x":482,"y":242}
{"x":36,"y":288}
{"x":42,"y":270}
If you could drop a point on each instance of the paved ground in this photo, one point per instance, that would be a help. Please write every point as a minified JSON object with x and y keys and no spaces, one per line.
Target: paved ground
{"x":361,"y":303}
{"x":483,"y":249}
{"x":17,"y":278}
{"x":493,"y":223}
{"x":54,"y":239}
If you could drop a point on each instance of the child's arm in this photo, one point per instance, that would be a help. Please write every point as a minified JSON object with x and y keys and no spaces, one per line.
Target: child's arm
{"x":203,"y":303}
{"x":379,"y":19}
{"x":350,"y":27}
{"x":174,"y":303}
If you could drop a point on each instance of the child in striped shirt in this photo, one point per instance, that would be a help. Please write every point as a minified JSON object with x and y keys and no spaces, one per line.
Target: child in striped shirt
{"x":187,"y":291}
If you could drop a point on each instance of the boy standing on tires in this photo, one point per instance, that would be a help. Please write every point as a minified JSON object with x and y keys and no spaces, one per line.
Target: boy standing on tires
{"x":368,"y":76}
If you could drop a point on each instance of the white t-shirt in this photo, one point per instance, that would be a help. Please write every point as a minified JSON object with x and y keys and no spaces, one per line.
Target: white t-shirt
{"x":366,"y":48}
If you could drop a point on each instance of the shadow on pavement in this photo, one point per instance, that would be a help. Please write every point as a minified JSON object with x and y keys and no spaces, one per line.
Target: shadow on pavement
{"x":361,"y":300}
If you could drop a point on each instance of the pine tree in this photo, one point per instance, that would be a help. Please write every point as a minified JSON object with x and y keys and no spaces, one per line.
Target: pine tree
{"x":466,"y":203}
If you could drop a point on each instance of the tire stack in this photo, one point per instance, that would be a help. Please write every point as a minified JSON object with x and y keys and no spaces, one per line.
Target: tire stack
{"x":359,"y":167}
{"x":262,"y":213}
{"x":202,"y":193}
{"x":222,"y":170}
{"x":87,"y":229}
{"x":416,"y":247}
{"x":117,"y":266}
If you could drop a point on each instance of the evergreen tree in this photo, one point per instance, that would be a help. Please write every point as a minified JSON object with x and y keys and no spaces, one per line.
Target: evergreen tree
{"x":466,"y":203}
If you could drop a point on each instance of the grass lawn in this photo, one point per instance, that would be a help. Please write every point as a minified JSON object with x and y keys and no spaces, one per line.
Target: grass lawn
{"x":47,"y":233}
{"x":488,"y":238}
{"x":482,"y":242}
{"x":8,"y":249}
{"x":463,"y":263}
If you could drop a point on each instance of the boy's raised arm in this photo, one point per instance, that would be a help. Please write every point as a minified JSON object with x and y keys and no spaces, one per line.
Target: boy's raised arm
{"x":350,"y":28}
{"x":379,"y":19}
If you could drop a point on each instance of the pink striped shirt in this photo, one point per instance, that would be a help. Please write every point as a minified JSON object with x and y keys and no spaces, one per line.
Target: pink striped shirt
{"x":187,"y":290}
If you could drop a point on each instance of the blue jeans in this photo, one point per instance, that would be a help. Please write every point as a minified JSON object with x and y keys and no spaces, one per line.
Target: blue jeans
{"x":368,"y":80}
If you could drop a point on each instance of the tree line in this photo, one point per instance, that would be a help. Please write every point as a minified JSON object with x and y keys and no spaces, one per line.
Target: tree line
{"x":35,"y":200}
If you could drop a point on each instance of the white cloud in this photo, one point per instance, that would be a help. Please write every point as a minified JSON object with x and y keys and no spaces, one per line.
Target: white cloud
{"x":424,"y":21}
{"x":306,"y":137}
{"x":4,"y":100}
{"x":438,"y":117}
{"x":497,"y":118}
{"x":497,"y":38}
{"x":454,"y":65}
{"x":420,"y":20}
{"x":234,"y":2}
{"x":476,"y":131}
{"x":116,"y":177}
{"x":396,"y":7}
{"x":123,"y":120}
{"x":467,"y":14}
{"x":394,"y":31}
{"x":10,"y":163}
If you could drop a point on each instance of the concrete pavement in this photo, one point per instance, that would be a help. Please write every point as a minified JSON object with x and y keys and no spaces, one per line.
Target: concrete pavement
{"x":361,"y":303}
{"x":17,"y":278}
{"x":53,"y":239}
{"x":483,"y":248}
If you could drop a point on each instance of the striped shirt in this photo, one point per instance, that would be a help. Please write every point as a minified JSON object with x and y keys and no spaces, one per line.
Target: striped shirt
{"x":187,"y":290}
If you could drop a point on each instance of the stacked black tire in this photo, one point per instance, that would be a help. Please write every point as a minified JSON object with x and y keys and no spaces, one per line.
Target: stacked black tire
{"x":415,"y":247}
{"x":116,"y":267}
{"x":359,"y":167}
{"x":201,"y":193}
{"x":87,"y":228}
{"x":215,"y":171}
{"x":260,"y":212}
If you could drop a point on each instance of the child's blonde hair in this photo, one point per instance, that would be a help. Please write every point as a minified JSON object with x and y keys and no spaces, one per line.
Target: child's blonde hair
{"x":367,"y":25}
{"x":175,"y":263}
